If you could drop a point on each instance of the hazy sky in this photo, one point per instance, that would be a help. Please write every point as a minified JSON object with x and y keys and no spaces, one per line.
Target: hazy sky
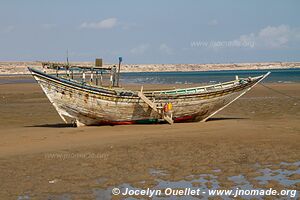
{"x":161,"y":31}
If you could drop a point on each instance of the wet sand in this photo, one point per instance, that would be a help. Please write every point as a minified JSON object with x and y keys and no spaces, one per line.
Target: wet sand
{"x":262,"y":128}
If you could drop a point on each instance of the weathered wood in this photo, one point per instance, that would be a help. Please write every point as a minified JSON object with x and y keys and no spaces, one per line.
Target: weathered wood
{"x":147,"y":101}
{"x":154,"y":107}
{"x":244,"y":92}
{"x":168,"y":119}
{"x":92,"y":105}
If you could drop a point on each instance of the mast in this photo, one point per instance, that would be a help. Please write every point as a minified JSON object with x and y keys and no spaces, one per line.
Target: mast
{"x":67,"y":67}
{"x":120,"y":60}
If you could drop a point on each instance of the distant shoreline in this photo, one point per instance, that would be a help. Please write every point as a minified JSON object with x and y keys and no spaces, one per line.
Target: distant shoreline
{"x":289,"y":75}
{"x":162,"y":71}
{"x":20,"y":68}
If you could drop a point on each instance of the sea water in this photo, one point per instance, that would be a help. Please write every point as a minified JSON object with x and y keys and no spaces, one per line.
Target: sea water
{"x":276,"y":76}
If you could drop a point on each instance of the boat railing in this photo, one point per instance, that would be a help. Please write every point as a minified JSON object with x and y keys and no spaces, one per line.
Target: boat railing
{"x":90,"y":75}
{"x":208,"y":88}
{"x":96,"y":79}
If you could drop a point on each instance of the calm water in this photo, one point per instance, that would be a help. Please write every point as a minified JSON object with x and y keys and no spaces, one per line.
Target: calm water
{"x":200,"y":181}
{"x":279,"y":76}
{"x":286,"y":75}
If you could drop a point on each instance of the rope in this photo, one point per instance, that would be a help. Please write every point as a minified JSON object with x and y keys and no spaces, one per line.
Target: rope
{"x":284,"y":94}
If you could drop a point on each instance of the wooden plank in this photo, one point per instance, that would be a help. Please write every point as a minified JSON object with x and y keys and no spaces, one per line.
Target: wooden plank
{"x":154,"y":107}
{"x":147,"y":101}
{"x":168,"y":119}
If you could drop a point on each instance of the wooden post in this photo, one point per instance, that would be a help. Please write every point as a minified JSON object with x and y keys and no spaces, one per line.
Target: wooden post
{"x":98,"y":63}
{"x":92,"y":75}
{"x":67,"y":71}
{"x":118,"y":80}
{"x":111,"y":79}
{"x":83,"y":76}
{"x":72,"y":74}
{"x":114,"y":76}
{"x":101,"y":78}
{"x":97,"y":77}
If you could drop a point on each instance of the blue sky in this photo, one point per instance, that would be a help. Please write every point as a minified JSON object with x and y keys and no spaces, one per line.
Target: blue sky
{"x":190,"y":31}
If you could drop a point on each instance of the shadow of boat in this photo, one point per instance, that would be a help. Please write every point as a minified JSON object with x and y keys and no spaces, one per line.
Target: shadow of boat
{"x":225,"y":118}
{"x":72,"y":125}
{"x":58,"y":125}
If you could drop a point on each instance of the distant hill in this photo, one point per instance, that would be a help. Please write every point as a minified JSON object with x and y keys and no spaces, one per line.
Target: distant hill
{"x":21,"y":67}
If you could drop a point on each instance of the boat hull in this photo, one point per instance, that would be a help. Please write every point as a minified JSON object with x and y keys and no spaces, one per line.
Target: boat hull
{"x":90,"y":106}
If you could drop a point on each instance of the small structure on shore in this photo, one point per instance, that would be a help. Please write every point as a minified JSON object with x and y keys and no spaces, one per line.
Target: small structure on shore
{"x":80,"y":93}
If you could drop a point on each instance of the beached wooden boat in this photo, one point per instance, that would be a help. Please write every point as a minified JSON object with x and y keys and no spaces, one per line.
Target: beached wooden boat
{"x":95,"y":105}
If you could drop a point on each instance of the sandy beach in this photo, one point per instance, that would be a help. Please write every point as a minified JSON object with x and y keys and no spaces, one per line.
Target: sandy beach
{"x":42,"y":158}
{"x":150,"y":100}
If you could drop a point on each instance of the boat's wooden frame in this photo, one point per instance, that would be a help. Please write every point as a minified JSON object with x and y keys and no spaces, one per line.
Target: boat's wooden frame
{"x":96,"y":105}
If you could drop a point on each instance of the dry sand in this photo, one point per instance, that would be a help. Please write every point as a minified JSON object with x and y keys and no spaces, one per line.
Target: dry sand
{"x":260,"y":128}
